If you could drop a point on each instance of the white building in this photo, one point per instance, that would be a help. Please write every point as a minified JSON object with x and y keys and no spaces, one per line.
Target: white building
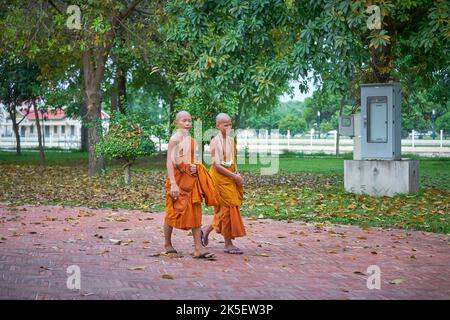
{"x":58,"y":130}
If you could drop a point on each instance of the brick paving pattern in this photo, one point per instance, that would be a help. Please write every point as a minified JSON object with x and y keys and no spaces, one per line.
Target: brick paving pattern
{"x":281,"y":261}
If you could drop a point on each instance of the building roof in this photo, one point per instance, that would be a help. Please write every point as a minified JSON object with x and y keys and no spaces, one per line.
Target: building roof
{"x":57,"y":114}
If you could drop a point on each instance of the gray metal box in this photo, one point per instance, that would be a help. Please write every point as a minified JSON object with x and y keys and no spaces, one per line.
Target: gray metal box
{"x":381,"y":121}
{"x":346,"y":126}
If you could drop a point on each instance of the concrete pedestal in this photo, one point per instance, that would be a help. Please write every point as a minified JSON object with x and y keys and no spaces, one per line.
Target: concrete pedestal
{"x":381,"y":177}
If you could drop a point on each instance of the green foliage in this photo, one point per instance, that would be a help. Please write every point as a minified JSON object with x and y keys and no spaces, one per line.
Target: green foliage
{"x":236,"y":49}
{"x":293,"y":123}
{"x":18,"y":81}
{"x":125,"y":140}
{"x":443,"y":122}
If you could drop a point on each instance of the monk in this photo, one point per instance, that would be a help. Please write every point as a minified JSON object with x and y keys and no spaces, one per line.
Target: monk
{"x":228,"y":182}
{"x":188,"y":183}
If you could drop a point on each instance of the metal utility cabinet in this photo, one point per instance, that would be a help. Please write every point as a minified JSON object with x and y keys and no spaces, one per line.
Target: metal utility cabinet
{"x":381,"y":121}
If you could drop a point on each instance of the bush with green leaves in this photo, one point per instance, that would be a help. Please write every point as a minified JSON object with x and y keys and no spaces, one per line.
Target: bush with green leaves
{"x":126,"y":140}
{"x":443,"y":123}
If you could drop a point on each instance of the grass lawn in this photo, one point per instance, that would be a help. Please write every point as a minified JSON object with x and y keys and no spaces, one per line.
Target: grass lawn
{"x":307,"y":188}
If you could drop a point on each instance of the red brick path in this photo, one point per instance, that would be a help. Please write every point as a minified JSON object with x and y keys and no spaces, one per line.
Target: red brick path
{"x":281,"y":261}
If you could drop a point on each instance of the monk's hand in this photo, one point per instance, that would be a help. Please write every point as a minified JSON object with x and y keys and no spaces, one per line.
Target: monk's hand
{"x":238,"y":179}
{"x":193,"y":168}
{"x":174,"y":191}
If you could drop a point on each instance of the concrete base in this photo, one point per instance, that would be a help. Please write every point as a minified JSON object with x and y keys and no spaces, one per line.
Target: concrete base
{"x":381,"y":177}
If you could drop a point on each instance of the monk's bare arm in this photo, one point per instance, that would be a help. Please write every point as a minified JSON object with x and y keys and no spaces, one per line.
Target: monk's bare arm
{"x":171,"y":159}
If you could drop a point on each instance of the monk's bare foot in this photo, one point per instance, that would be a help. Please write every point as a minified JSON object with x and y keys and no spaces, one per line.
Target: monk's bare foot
{"x":232,"y":249}
{"x":204,"y":255}
{"x":170,"y":249}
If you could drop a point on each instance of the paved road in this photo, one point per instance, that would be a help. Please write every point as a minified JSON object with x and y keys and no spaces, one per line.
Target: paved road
{"x":281,"y":261}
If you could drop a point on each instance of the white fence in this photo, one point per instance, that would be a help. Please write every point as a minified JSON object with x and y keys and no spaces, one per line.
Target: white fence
{"x":63,"y":141}
{"x":275,"y":143}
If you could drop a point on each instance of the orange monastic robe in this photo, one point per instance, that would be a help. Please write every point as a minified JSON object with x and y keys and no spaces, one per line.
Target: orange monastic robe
{"x":227,"y":216}
{"x":186,"y":212}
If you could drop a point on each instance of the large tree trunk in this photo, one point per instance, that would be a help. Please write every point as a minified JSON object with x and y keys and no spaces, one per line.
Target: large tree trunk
{"x":121,"y":89}
{"x":96,"y":163}
{"x":12,"y":114}
{"x":39,"y":132}
{"x":83,"y":115}
{"x":382,"y":58}
{"x":118,"y":92}
{"x":94,"y":61}
{"x":16,"y":133}
{"x":93,"y":68}
{"x":84,"y":128}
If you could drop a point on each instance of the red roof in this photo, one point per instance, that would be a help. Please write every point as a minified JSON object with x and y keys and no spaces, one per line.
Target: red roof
{"x":51,"y":114}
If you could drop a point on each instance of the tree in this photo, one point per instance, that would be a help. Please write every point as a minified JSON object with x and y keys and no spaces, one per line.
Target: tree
{"x":443,"y":122}
{"x":89,"y":44}
{"x":18,"y":80}
{"x":126,"y":140}
{"x":238,"y":54}
{"x":293,"y":123}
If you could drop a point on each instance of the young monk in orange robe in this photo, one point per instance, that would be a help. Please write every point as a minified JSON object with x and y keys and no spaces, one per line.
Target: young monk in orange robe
{"x":187,"y":184}
{"x":228,"y":182}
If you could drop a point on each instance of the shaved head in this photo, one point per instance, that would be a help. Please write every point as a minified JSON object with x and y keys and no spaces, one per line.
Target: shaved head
{"x":221,"y":117}
{"x":182,"y":114}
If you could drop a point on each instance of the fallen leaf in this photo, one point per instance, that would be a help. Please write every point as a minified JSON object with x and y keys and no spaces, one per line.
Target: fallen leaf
{"x":396,"y":281}
{"x":118,"y":219}
{"x":136,"y":268}
{"x":115,"y":241}
{"x":155,"y":255}
{"x":262,"y":254}
{"x":88,"y":294}
{"x":45,"y":268}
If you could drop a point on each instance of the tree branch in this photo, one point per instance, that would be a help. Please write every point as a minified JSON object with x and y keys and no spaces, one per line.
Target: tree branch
{"x":55,"y":6}
{"x":123,"y":15}
{"x":26,"y":114}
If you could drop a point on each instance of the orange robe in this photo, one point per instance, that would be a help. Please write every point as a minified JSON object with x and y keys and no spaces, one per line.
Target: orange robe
{"x":186,"y":212}
{"x":227,"y":215}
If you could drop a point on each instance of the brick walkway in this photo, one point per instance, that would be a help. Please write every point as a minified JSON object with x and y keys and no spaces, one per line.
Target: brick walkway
{"x":281,"y":261}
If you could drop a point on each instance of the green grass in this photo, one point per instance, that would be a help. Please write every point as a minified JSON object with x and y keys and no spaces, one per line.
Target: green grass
{"x":52,"y":158}
{"x":433,"y":171}
{"x":308,"y":188}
